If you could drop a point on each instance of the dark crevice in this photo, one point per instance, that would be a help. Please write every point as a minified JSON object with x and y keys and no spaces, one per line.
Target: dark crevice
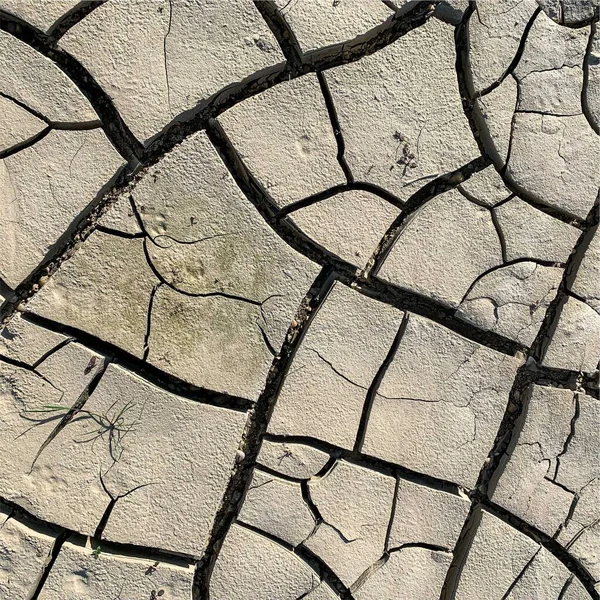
{"x":423,"y":545}
{"x":553,"y":211}
{"x":266,"y":340}
{"x":465,"y":79}
{"x":75,"y":125}
{"x":60,"y":539}
{"x":514,"y":418}
{"x":560,"y":485}
{"x":566,"y":587}
{"x":53,"y":125}
{"x":549,"y":543}
{"x":72,"y":412}
{"x":569,"y":438}
{"x":335,"y":126}
{"x":23,"y":365}
{"x":390,"y":4}
{"x":461,"y":552}
{"x":509,"y":263}
{"x":481,"y":134}
{"x":275,"y":473}
{"x":256,"y":427}
{"x":564,"y":378}
{"x":5,"y":290}
{"x":447,"y":13}
{"x":429,"y":191}
{"x":516,"y":59}
{"x":570,"y":514}
{"x":370,"y":462}
{"x":576,"y":537}
{"x":71,"y":18}
{"x":24,"y":144}
{"x":115,"y":128}
{"x":500,"y":235}
{"x":28,"y":519}
{"x":374,"y":387}
{"x":149,"y":321}
{"x":388,"y":532}
{"x":572,"y":267}
{"x":153,"y":375}
{"x":281,"y":30}
{"x":328,"y":466}
{"x":346,"y":272}
{"x":376,"y":190}
{"x":520,"y":576}
{"x":542,"y":113}
{"x":369,"y":571}
{"x":337,"y":371}
{"x":313,"y":199}
{"x":98,"y":533}
{"x":339,"y":189}
{"x":509,"y":430}
{"x":479,"y":202}
{"x":172,"y":286}
{"x":121,"y":234}
{"x":317,"y":516}
{"x":503,"y":165}
{"x":52,"y":351}
{"x":165,"y":60}
{"x":319,"y":566}
{"x":26,"y":107}
{"x":595,"y":125}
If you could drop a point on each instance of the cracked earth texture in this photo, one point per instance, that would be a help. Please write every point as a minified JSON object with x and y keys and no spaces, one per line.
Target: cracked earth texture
{"x":300,"y":299}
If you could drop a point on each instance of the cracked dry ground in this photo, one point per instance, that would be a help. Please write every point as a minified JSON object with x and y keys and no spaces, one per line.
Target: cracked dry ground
{"x":300,"y":299}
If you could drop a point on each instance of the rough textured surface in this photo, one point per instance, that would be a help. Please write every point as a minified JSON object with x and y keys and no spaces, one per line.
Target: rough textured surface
{"x":121,"y":44}
{"x":439,"y":404}
{"x":445,"y":515}
{"x":41,"y":15}
{"x":407,"y":574}
{"x":576,"y":344}
{"x":18,"y":125}
{"x":82,"y":572}
{"x":28,"y":343}
{"x":529,"y":233}
{"x":512,"y":300}
{"x":321,"y":23}
{"x":299,"y":300}
{"x":285,"y":137}
{"x":276,"y":507}
{"x":497,"y":556}
{"x":587,"y":282}
{"x":338,"y":360}
{"x":199,"y":448}
{"x":39,"y":84}
{"x":338,"y":224}
{"x":355,"y":504}
{"x":251,"y":567}
{"x":81,"y":163}
{"x":76,"y":295}
{"x":443,"y":248}
{"x":401,"y":129}
{"x":554,"y":471}
{"x":160,"y":49}
{"x":23,"y":552}
{"x":293,"y":460}
{"x":552,"y":150}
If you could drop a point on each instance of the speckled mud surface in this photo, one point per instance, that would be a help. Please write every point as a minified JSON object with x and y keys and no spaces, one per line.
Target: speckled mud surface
{"x":300,"y":299}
